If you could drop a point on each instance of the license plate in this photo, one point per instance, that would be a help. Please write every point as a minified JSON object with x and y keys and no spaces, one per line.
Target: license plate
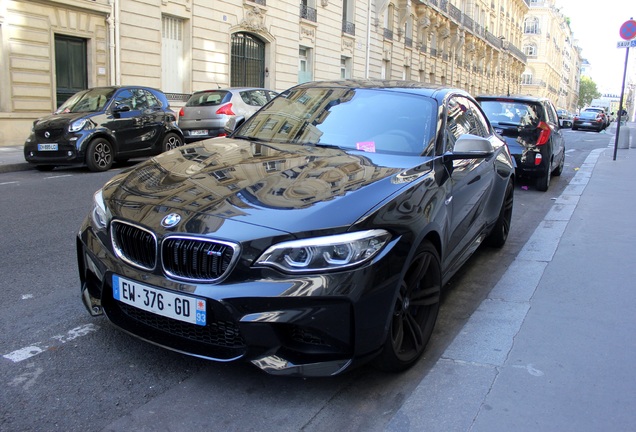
{"x":47,"y":147}
{"x":160,"y":302}
{"x":199,"y":132}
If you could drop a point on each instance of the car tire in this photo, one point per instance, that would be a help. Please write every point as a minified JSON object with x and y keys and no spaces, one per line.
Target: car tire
{"x":171,"y":141}
{"x":99,"y":155}
{"x":415,"y":311}
{"x":559,"y":169}
{"x":543,"y":182}
{"x":499,"y":234}
{"x":45,"y":168}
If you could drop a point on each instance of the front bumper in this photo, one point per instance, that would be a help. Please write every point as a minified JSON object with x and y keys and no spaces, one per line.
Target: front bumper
{"x":68,"y":152}
{"x":313,"y":325}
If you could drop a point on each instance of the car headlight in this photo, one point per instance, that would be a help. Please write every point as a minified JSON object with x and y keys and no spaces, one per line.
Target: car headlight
{"x":100,"y":214}
{"x":325,"y":253}
{"x":77,"y":125}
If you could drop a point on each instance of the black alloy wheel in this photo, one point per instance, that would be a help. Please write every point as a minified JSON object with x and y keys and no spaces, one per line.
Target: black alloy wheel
{"x":99,"y":155}
{"x":499,"y":234}
{"x":171,"y":141}
{"x":415,"y":311}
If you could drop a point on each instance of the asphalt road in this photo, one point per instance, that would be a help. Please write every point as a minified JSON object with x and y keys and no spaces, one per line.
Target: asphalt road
{"x":63,"y":370}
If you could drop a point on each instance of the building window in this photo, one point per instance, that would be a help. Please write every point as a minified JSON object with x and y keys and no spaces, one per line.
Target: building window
{"x":304,"y":65}
{"x":308,"y":10}
{"x":345,"y":67}
{"x":531,"y":26}
{"x":530,"y":50}
{"x":526,"y":78}
{"x":348,"y":25}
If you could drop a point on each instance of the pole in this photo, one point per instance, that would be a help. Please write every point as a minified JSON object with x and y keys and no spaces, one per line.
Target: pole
{"x":620,"y":104}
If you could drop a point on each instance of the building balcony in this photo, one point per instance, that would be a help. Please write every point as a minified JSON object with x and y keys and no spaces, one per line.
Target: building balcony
{"x":308,"y":13}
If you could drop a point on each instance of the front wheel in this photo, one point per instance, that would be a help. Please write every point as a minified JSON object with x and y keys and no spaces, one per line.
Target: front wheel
{"x":415,"y":311}
{"x":99,"y":155}
{"x":171,"y":141}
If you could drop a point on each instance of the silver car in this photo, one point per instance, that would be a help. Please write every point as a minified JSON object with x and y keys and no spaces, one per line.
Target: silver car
{"x":206,"y":112}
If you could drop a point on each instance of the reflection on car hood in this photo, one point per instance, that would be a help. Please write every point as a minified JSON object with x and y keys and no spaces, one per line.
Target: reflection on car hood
{"x":288,"y":188}
{"x":55,"y":121}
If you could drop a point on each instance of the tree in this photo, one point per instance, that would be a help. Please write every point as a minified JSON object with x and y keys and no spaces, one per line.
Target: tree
{"x":587,"y":91}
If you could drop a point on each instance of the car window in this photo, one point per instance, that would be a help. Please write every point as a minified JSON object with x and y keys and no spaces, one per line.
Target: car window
{"x":254,"y":97}
{"x":552,"y":115}
{"x":360,"y":119}
{"x":511,"y":112}
{"x":206,"y":98}
{"x":92,"y":100}
{"x":151,"y":100}
{"x":463,"y":117}
{"x":125,"y":97}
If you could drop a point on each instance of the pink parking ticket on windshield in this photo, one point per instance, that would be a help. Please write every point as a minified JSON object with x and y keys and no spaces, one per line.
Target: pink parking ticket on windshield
{"x":367,"y":146}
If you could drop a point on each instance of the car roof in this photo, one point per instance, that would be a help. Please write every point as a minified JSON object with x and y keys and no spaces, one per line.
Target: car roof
{"x":520,"y":98}
{"x":415,"y":87}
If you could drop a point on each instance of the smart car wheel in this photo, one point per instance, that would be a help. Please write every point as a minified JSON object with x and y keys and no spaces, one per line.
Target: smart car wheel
{"x":99,"y":156}
{"x":171,"y":141}
{"x":415,"y":311}
{"x":499,"y":233}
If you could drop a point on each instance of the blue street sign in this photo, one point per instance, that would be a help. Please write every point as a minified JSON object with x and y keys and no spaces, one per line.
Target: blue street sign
{"x":626,"y":44}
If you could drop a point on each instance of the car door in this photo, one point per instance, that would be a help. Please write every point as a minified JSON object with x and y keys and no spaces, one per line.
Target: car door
{"x":557,"y":140}
{"x":132,"y":122}
{"x":470,"y":179}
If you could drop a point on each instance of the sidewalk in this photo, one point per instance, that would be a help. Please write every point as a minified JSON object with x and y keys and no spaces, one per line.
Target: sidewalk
{"x":12,"y":159}
{"x":552,"y":348}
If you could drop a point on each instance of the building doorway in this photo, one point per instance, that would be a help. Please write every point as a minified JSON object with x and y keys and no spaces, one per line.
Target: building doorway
{"x":248,"y":61}
{"x":70,"y":67}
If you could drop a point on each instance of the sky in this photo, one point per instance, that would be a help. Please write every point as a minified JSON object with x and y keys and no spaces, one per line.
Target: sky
{"x":596,"y":25}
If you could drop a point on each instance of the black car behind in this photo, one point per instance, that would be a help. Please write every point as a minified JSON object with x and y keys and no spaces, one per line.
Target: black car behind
{"x":317,"y":237}
{"x":97,"y":126}
{"x":530,"y":126}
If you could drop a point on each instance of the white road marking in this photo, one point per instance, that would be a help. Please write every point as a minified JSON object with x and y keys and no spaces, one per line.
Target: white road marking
{"x":27,"y":296}
{"x":8,"y":183}
{"x":58,"y":176}
{"x":28,"y":378}
{"x":33,"y":350}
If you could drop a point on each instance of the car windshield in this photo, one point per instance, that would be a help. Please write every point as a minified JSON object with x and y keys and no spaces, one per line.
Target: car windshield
{"x":512,"y":112}
{"x":92,"y":100}
{"x":369,"y":120}
{"x":207,"y":98}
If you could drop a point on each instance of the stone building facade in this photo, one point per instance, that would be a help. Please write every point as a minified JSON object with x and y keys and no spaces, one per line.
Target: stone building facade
{"x":51,"y":48}
{"x":553,"y":59}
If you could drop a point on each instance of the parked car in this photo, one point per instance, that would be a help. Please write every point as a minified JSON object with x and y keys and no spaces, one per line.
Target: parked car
{"x":565,"y":118}
{"x":318,"y":236}
{"x":602,"y":113}
{"x":589,"y":120}
{"x":206,"y":112}
{"x":100,"y":125}
{"x":531,"y":129}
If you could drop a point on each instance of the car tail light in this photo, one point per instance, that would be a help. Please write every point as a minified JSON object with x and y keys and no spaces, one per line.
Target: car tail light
{"x":545,"y":133}
{"x":537,"y":159}
{"x":226,"y":109}
{"x":181,"y":112}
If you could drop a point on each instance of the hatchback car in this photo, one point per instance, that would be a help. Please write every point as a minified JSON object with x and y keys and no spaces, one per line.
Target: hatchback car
{"x":318,"y":236}
{"x":206,"y":112}
{"x":565,"y":118}
{"x":589,"y":120}
{"x":531,"y":129}
{"x":98,"y":126}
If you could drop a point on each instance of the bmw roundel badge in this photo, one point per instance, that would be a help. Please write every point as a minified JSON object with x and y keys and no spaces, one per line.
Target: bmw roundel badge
{"x":170,"y":220}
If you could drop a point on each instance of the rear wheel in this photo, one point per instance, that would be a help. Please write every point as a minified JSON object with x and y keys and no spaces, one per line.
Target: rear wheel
{"x":99,"y":155}
{"x":499,"y":233}
{"x":558,"y":170}
{"x":171,"y":141}
{"x":415,"y":311}
{"x":543,"y":182}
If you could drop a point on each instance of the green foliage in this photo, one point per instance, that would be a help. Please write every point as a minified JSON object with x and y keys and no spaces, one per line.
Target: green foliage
{"x":587,"y":91}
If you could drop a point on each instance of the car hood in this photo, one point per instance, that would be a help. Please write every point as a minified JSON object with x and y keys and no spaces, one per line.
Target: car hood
{"x":288,"y":188}
{"x":56,"y":121}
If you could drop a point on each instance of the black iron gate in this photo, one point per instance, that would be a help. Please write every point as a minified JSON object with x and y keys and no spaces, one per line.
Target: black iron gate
{"x":248,"y":61}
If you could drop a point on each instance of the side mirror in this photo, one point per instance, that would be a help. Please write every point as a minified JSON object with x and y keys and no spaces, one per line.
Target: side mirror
{"x":233,"y":124}
{"x":471,"y":147}
{"x":121,"y":108}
